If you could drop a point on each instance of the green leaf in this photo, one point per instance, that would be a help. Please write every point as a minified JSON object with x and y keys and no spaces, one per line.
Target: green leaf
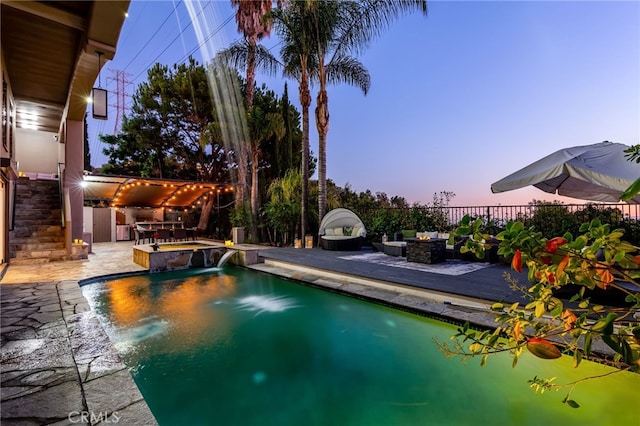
{"x":577,"y":357}
{"x":630,"y":356}
{"x":587,"y":344}
{"x":497,"y":306}
{"x":605,"y":325}
{"x":557,"y":307}
{"x":616,"y":235}
{"x":613,"y":342}
{"x":571,"y":403}
{"x":632,"y":191}
{"x":579,"y":243}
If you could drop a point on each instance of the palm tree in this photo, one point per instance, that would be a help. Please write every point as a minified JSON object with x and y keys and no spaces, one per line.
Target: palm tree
{"x":264,"y":123}
{"x":252,"y":23}
{"x":342,"y":28}
{"x":297,"y":63}
{"x":292,"y":26}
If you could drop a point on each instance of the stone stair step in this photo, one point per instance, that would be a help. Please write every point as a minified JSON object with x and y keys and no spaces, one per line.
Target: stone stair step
{"x":42,"y":260}
{"x":41,"y":253}
{"x":37,"y":245}
{"x":29,"y":261}
{"x":26,"y":211}
{"x":58,"y":238}
{"x":38,"y":236}
{"x":40,"y":222}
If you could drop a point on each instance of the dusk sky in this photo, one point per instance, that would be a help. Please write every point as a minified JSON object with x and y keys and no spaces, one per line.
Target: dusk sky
{"x":459,"y":99}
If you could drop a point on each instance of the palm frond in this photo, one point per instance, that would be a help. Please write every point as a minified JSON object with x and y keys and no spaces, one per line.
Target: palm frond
{"x":345,"y":69}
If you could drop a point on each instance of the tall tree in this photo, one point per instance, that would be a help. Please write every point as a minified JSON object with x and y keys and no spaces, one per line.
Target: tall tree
{"x":172,"y":131}
{"x":292,"y":26}
{"x":285,"y":148}
{"x":264,"y":123}
{"x":296,"y":33}
{"x":251,"y":17}
{"x":342,"y":29}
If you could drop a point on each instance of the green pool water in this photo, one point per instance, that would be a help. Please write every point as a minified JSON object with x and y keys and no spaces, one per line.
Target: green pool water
{"x":238,"y":347}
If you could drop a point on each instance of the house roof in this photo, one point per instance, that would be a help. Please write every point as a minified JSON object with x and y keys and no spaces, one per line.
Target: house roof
{"x":49,"y":50}
{"x":130,"y":191}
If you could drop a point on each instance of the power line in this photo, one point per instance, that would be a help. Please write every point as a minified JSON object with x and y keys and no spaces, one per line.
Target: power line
{"x":121,"y":83}
{"x":150,"y":39}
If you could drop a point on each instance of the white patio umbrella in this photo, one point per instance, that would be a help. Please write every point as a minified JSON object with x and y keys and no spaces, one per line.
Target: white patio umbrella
{"x":598,"y":172}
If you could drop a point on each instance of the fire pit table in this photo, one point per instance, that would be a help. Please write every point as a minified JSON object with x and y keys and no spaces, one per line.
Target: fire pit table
{"x":426,"y":250}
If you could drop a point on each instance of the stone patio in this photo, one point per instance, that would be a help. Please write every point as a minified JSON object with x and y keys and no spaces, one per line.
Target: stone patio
{"x":57,"y":363}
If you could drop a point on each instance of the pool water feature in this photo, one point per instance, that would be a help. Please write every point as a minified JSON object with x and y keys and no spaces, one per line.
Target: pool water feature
{"x":241,"y":347}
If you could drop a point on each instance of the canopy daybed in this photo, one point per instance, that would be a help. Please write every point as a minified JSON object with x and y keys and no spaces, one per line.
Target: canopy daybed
{"x":341,"y":229}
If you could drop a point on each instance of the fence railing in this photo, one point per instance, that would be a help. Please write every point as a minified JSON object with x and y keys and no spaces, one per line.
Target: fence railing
{"x":550,"y":219}
{"x":503,"y":214}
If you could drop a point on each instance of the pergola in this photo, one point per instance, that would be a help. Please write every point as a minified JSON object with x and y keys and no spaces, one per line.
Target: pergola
{"x":131,"y":191}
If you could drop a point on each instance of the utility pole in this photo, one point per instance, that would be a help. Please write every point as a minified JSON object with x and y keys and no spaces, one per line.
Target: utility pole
{"x":122,"y":80}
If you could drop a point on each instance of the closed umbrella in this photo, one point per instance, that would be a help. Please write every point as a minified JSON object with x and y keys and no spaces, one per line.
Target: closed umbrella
{"x":597,"y":172}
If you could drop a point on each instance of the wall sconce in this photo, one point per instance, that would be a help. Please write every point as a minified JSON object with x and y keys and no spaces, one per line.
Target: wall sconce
{"x":99,"y":96}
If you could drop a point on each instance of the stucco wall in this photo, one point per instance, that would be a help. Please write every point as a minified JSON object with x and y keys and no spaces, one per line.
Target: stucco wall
{"x":36,"y":151}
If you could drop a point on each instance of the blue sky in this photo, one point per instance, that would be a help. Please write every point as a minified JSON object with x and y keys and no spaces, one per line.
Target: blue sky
{"x":459,"y":99}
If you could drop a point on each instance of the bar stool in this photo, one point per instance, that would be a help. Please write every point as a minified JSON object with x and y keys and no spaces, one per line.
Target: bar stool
{"x":179,"y":234}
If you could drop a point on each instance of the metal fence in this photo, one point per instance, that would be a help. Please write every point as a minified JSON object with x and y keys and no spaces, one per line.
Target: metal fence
{"x":502,"y":214}
{"x":551,"y":219}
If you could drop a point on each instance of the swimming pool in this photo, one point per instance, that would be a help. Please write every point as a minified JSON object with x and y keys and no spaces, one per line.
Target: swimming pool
{"x":238,"y":347}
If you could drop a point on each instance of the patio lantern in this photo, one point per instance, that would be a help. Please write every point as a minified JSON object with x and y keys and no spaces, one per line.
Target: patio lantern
{"x":308,"y":241}
{"x":99,"y":99}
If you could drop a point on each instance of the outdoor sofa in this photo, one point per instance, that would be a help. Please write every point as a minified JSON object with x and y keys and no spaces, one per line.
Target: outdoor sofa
{"x":341,"y":230}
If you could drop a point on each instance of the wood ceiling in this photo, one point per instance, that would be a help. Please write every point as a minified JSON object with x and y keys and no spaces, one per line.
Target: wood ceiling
{"x":49,"y":51}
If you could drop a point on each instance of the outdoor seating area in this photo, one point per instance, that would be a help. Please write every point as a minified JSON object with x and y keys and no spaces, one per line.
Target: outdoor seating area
{"x":432,"y":247}
{"x":152,"y":232}
{"x":341,"y":230}
{"x":395,"y":248}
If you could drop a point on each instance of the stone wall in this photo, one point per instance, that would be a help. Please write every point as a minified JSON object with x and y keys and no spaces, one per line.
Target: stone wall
{"x":426,"y":251}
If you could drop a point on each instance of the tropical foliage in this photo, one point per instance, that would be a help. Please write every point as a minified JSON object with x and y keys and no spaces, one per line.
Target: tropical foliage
{"x":343,"y":29}
{"x":594,"y":259}
{"x":318,"y":41}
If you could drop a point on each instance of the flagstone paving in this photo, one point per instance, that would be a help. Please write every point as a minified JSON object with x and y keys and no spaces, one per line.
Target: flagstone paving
{"x":57,"y":363}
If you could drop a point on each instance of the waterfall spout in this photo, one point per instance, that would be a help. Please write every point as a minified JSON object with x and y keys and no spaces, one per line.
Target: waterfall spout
{"x":225,"y":257}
